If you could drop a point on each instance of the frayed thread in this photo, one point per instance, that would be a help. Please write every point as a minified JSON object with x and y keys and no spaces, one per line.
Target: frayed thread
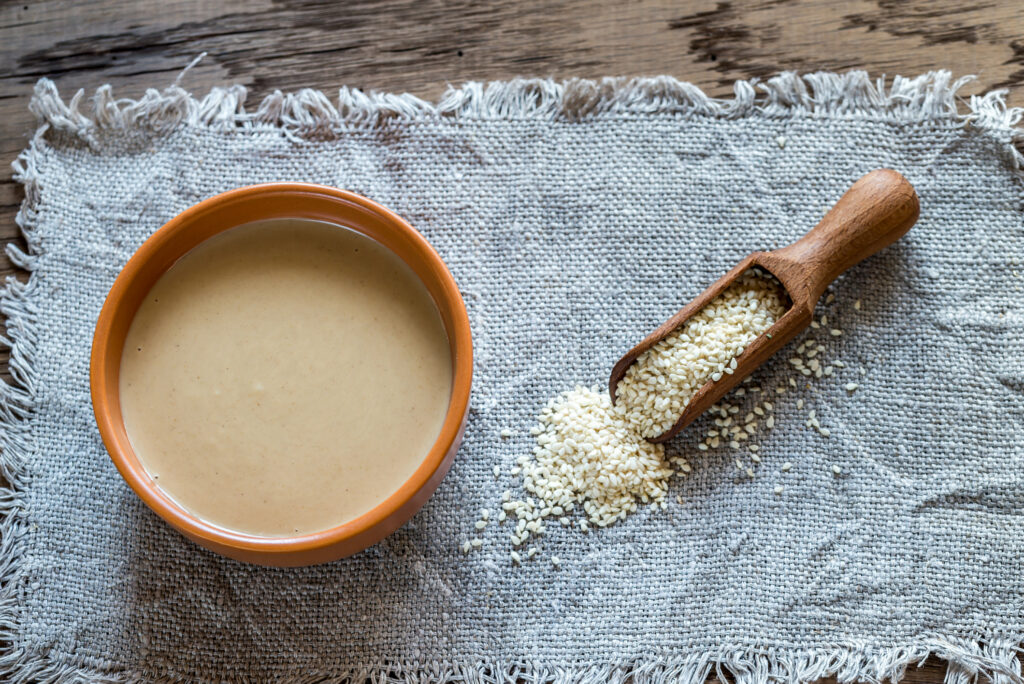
{"x":17,"y":400}
{"x":990,"y":116}
{"x":969,"y":663}
{"x":311,"y":114}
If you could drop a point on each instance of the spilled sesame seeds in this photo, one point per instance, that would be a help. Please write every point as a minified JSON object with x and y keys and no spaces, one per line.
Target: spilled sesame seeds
{"x":592,"y":466}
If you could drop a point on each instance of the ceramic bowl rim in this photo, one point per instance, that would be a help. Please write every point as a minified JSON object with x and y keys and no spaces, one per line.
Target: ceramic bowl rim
{"x":106,"y":353}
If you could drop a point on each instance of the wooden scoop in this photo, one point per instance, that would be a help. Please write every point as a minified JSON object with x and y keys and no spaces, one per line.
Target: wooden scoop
{"x":875,"y":212}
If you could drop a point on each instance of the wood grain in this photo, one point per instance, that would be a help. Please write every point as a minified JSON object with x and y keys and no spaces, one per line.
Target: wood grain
{"x":420,"y":45}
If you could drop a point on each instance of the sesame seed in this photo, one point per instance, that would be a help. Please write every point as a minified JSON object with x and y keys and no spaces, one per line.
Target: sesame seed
{"x":851,"y":386}
{"x":556,"y":561}
{"x":835,"y":332}
{"x":654,"y":392}
{"x":778,"y":489}
{"x":786,"y":466}
{"x":799,"y":403}
{"x":586,"y":452}
{"x":856,"y":305}
{"x":466,"y":547}
{"x":476,"y":543}
{"x":750,"y":472}
{"x":515,"y":557}
{"x":594,"y":453}
{"x":497,"y":471}
{"x":481,"y":524}
{"x":837,"y":470}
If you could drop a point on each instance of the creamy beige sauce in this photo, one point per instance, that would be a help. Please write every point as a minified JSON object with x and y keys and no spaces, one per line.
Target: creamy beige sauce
{"x":285,"y":377}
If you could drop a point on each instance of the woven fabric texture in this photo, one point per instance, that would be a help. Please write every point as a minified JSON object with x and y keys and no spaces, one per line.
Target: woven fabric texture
{"x":575,"y":217}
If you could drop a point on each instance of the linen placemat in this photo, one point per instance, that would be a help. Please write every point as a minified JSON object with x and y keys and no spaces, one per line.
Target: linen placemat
{"x":575,"y":217}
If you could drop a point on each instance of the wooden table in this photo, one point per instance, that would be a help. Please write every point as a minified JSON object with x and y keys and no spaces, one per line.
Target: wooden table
{"x":421,"y":45}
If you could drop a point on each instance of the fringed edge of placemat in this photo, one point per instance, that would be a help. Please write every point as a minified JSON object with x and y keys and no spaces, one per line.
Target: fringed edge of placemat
{"x":309,"y":115}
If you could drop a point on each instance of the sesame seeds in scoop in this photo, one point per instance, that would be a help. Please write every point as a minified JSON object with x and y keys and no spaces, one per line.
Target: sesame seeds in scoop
{"x":661,"y":382}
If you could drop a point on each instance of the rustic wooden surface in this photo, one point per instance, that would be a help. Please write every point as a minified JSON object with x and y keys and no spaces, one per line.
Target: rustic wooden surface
{"x":420,"y":45}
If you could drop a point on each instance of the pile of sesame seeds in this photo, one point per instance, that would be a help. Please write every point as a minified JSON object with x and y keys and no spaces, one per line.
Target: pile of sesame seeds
{"x":658,"y":386}
{"x":586,"y":457}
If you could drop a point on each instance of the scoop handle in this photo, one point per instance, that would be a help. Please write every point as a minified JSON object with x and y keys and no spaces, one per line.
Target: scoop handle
{"x":875,"y":212}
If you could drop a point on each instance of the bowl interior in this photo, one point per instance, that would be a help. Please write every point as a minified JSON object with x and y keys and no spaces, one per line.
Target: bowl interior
{"x":227,"y":211}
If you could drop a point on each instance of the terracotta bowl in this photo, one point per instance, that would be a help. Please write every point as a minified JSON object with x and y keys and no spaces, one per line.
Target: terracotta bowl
{"x":185,"y":231}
